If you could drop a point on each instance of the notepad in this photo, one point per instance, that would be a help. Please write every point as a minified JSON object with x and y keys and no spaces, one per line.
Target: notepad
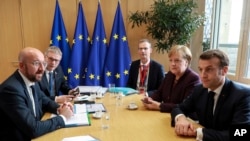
{"x":80,"y":117}
{"x":92,"y":108}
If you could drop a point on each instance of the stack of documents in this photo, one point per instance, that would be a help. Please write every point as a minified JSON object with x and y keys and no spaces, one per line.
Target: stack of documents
{"x":92,"y":89}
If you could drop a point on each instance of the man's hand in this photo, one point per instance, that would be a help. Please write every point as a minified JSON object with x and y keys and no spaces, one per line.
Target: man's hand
{"x":64,"y":98}
{"x":150,"y":104}
{"x":66,"y":109}
{"x":75,"y":92}
{"x":183,"y":127}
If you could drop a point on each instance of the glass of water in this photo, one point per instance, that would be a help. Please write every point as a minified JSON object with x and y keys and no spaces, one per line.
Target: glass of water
{"x":105,"y":120}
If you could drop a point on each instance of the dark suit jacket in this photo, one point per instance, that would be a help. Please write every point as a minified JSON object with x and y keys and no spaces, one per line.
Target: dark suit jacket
{"x":169,"y":96}
{"x":61,"y":85}
{"x":156,"y":75}
{"x":233,"y":108}
{"x":18,"y":122}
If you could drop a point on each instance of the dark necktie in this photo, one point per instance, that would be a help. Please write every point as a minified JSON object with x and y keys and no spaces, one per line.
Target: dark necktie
{"x":51,"y":83}
{"x":210,"y":108}
{"x":33,"y":99}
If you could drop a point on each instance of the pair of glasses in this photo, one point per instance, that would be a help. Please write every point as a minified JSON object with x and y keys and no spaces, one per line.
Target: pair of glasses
{"x":38,"y":63}
{"x":53,"y":59}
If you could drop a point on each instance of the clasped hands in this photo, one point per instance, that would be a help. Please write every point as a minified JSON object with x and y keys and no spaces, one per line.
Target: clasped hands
{"x":66,"y":109}
{"x":183,"y":127}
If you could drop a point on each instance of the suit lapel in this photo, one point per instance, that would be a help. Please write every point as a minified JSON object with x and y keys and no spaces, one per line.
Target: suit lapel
{"x":29,"y":103}
{"x":224,"y":93}
{"x":45,"y":81}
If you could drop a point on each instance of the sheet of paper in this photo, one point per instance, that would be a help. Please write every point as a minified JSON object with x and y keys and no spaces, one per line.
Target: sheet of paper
{"x":80,"y":108}
{"x":80,"y":138}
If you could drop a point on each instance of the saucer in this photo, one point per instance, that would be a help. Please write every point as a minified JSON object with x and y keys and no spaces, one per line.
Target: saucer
{"x":97,"y":116}
{"x":132,"y":106}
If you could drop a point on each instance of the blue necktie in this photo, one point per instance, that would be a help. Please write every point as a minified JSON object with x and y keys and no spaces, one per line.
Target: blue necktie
{"x":51,"y":83}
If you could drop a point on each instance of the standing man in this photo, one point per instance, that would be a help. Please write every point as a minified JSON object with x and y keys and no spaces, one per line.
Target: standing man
{"x":22,"y":102}
{"x":145,"y":72}
{"x":53,"y":81}
{"x":218,"y":102}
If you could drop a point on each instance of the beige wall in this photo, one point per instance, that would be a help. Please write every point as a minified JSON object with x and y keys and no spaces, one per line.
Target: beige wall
{"x":28,"y":23}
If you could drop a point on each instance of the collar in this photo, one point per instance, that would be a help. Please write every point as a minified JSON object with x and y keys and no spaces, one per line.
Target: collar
{"x":47,"y":72}
{"x":219,"y":89}
{"x":146,"y":64}
{"x":27,"y":82}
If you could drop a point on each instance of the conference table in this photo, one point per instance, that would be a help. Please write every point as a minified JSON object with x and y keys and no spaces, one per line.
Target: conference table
{"x":125,"y":125}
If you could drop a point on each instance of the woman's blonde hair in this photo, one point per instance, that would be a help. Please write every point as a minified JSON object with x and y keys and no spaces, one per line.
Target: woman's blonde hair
{"x":182,"y":50}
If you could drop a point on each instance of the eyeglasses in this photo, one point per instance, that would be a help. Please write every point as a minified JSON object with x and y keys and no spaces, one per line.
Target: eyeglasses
{"x":53,"y":59}
{"x":38,"y":64}
{"x":143,"y":48}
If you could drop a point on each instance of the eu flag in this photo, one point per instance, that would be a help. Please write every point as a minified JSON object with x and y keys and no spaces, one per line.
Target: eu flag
{"x":59,"y":38}
{"x":118,"y":56}
{"x":80,"y":50}
{"x":97,"y":52}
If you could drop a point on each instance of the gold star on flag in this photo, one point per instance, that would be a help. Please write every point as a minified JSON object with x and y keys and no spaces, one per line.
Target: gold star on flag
{"x":117,"y":76}
{"x":67,"y":40}
{"x":73,"y":41}
{"x":58,"y":37}
{"x":69,"y":70}
{"x":104,"y":41}
{"x":51,"y":42}
{"x":115,"y":36}
{"x":89,"y":40}
{"x":65,"y":77}
{"x":98,"y":77}
{"x":108,"y":73}
{"x":80,"y":37}
{"x":76,"y":76}
{"x":124,"y":38}
{"x":92,"y":76}
{"x":126,"y":72}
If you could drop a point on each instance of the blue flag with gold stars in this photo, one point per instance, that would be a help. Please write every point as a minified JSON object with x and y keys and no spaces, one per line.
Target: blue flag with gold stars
{"x":60,"y":39}
{"x":80,"y":50}
{"x":118,"y":56}
{"x":97,"y":53}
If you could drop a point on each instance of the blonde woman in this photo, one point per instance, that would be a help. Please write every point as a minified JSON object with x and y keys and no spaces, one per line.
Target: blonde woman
{"x":177,"y":84}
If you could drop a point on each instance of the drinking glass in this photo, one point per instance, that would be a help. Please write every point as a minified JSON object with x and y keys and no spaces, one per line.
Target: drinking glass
{"x":119,"y":99}
{"x":112,"y":89}
{"x":142,"y":90}
{"x":105,"y":120}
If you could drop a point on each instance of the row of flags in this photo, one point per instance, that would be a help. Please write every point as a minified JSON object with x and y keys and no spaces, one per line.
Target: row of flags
{"x":92,"y":61}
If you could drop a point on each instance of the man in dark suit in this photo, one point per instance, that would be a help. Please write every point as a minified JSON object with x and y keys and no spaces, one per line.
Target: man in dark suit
{"x":22,"y":102}
{"x":53,"y":56}
{"x":228,"y":101}
{"x":145,"y":72}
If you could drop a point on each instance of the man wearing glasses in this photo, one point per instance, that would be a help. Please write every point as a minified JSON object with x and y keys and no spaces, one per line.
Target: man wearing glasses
{"x":145,"y":73}
{"x":22,"y":103}
{"x":53,"y":83}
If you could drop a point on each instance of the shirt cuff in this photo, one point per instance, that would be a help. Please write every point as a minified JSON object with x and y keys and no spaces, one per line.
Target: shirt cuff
{"x":64,"y":119}
{"x":199,"y":134}
{"x":177,"y":116}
